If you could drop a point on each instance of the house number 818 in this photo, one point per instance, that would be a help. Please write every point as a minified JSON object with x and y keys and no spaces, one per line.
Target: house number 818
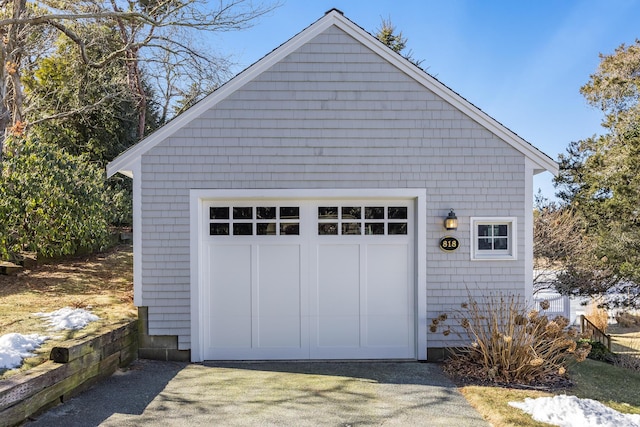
{"x":449,"y":243}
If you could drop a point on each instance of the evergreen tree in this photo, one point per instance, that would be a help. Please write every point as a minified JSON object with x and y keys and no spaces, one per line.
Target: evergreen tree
{"x":388,"y":35}
{"x":600,"y":179}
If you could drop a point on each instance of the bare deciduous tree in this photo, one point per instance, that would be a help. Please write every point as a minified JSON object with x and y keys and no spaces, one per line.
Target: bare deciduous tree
{"x":154,"y":37}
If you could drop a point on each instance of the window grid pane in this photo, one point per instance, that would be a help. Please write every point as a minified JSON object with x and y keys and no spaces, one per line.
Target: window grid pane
{"x":219,"y":213}
{"x":240,"y":220}
{"x":242,"y":213}
{"x":494,"y":239}
{"x":266,"y":213}
{"x":362,"y":220}
{"x":290,"y":212}
{"x":242,"y":229}
{"x":290,"y":228}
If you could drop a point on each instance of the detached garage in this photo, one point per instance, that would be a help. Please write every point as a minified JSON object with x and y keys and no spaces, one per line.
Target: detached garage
{"x":307,"y":275}
{"x":297,"y":212}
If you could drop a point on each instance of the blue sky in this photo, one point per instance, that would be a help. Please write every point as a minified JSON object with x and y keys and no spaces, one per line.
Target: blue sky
{"x":521,"y":61}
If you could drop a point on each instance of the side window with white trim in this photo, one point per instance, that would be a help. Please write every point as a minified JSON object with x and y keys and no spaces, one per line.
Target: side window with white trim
{"x":493,"y":238}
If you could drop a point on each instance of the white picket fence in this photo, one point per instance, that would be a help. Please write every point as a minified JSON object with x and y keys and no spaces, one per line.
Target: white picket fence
{"x":559,"y":305}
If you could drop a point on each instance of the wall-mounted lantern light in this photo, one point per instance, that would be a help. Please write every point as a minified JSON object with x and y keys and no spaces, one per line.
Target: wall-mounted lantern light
{"x":451,"y":221}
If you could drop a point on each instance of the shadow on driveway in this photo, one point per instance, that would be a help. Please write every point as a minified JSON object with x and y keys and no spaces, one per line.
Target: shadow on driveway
{"x":269,"y":394}
{"x":127,"y":391}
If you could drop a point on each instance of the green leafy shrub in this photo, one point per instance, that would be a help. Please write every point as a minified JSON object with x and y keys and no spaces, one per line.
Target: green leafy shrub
{"x":599,"y":351}
{"x":119,"y":200}
{"x":508,"y":343}
{"x":51,"y":202}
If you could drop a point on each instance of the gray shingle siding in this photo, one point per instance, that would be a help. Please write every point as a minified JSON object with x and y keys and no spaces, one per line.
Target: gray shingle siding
{"x":331,"y":115}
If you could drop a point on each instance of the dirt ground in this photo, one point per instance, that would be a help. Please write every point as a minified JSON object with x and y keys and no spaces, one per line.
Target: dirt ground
{"x":101,"y":283}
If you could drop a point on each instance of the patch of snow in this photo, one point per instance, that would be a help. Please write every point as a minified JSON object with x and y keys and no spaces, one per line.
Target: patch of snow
{"x":14,"y":347}
{"x":68,"y":318}
{"x":569,"y":411}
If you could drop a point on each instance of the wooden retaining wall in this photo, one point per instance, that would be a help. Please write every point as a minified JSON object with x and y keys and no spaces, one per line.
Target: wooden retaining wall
{"x":75,"y":365}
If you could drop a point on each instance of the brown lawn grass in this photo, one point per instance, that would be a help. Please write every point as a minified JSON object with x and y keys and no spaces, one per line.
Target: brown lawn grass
{"x":101,"y":283}
{"x":625,"y":340}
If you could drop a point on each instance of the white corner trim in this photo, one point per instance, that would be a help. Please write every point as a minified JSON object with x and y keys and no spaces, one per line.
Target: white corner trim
{"x":137,"y":234}
{"x":421,"y":272}
{"x":528,"y":230}
{"x":196,"y":249}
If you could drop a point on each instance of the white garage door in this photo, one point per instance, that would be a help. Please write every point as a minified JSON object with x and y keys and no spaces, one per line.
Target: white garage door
{"x":331,"y":279}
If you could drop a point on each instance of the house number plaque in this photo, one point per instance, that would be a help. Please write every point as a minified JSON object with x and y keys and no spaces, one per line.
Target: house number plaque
{"x":449,"y":244}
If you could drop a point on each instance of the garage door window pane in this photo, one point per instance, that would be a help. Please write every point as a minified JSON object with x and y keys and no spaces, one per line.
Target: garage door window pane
{"x":243,"y":229}
{"x":290,"y":212}
{"x":397,"y":212}
{"x":328,"y":228}
{"x":219,"y":213}
{"x":266,"y":229}
{"x":374,"y":213}
{"x":266,"y":213}
{"x":374,"y":228}
{"x":219,"y":229}
{"x":349,"y":212}
{"x":242,"y":213}
{"x":290,"y":228}
{"x":397,"y":228}
{"x":351,"y":228}
{"x":325,"y":212}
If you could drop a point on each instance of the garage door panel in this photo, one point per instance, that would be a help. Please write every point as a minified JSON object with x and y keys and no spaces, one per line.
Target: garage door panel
{"x":230,"y":296}
{"x":279,"y":331}
{"x":338,"y":331}
{"x":387,"y":331}
{"x":387,"y":284}
{"x":230,"y":284}
{"x":338,"y":286}
{"x":278,"y":317}
{"x":338,"y":296}
{"x":388,"y":296}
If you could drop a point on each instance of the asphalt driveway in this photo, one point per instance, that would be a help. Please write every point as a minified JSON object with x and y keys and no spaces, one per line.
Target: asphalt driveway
{"x":268,"y":394}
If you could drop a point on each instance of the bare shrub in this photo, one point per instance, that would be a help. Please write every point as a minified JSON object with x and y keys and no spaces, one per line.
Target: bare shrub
{"x":510,"y":344}
{"x":627,"y":320}
{"x":598,"y":315}
{"x":627,"y":361}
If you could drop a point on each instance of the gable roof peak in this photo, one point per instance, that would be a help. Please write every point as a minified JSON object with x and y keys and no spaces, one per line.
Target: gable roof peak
{"x":126,"y":160}
{"x":334,"y":9}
